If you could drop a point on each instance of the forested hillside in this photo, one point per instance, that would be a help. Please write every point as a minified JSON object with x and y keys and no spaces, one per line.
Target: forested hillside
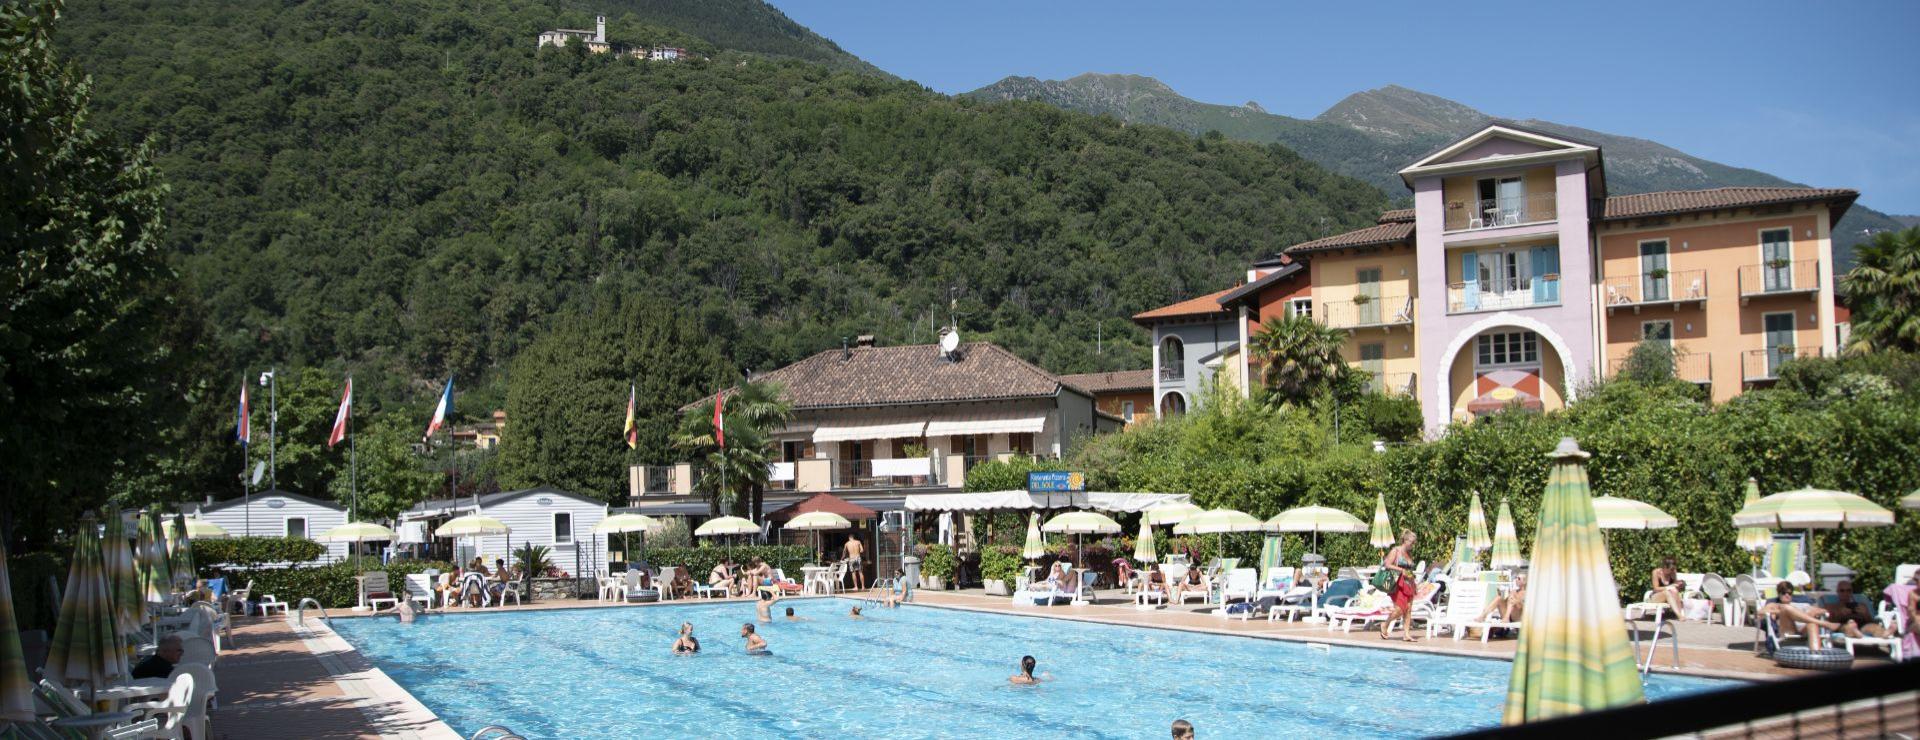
{"x":410,"y":190}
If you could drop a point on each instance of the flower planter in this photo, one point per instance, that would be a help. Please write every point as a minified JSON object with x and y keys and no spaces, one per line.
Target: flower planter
{"x":935,"y":583}
{"x":996,"y":587}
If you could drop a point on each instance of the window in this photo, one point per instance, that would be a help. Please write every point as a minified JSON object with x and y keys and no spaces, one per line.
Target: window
{"x":1367,"y":282}
{"x":562,"y":528}
{"x":1126,"y":411}
{"x":1173,"y":359}
{"x":1657,"y":331}
{"x":1653,"y":270}
{"x":1372,"y":362}
{"x":1020,"y":442}
{"x":1503,"y":201}
{"x":1776,"y":259}
{"x":1173,"y":404}
{"x":1503,"y":271}
{"x":1779,"y":328}
{"x":1300,"y":307}
{"x":1511,"y":348}
{"x":297,"y":527}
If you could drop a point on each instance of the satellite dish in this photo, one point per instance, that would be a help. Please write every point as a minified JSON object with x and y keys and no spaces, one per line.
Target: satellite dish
{"x":949,"y":342}
{"x":259,"y":469}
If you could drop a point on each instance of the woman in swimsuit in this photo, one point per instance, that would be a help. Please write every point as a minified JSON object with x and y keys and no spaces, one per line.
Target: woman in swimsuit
{"x":686,"y":644}
{"x":1400,"y":560}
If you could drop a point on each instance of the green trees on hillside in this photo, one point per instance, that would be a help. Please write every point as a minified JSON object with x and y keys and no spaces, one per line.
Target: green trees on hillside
{"x":1884,"y":291}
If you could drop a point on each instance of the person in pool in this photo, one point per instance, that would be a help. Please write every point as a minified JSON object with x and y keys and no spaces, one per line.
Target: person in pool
{"x":756,"y":645}
{"x":791,"y":617}
{"x":1182,"y":730}
{"x":1025,"y":677}
{"x":855,"y":614}
{"x":686,"y":643}
{"x":763,"y":607}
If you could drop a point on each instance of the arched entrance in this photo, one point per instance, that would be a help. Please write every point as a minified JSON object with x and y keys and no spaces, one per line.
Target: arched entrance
{"x":1500,"y":363}
{"x":1174,"y":403}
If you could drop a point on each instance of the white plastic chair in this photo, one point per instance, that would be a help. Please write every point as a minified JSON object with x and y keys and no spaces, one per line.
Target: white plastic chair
{"x":420,"y":589}
{"x":171,"y":711}
{"x":375,"y":590}
{"x":1242,"y":583}
{"x":204,"y":688}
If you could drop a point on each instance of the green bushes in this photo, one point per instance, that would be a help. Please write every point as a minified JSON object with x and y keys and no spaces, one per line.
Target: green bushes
{"x":699,"y":560}
{"x":939,"y":562}
{"x":244,"y":552}
{"x":31,"y":575}
{"x":1000,"y":563}
{"x":332,"y":584}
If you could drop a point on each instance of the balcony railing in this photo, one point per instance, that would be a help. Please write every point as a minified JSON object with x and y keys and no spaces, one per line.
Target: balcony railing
{"x":1541,"y":291}
{"x":1693,"y":367}
{"x":1650,"y":288}
{"x":883,"y":473}
{"x":1173,"y":373}
{"x":1493,"y":213}
{"x":1761,"y":365}
{"x":1392,"y":384}
{"x":1779,"y":278}
{"x":1364,"y":312}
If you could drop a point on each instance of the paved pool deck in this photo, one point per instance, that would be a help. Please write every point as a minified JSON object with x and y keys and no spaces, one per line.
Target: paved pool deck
{"x":282,"y":679}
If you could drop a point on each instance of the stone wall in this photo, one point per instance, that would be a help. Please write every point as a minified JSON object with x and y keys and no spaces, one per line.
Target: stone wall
{"x":550,"y":589}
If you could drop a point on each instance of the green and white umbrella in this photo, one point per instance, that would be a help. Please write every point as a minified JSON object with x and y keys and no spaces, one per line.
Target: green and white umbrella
{"x":116,"y":556}
{"x":816,"y":522}
{"x":1613,"y":512}
{"x":86,"y":645}
{"x":180,"y":551}
{"x":1219,"y":522}
{"x":1911,"y":501}
{"x":16,"y":690}
{"x":199,"y":529}
{"x":1754,"y":539}
{"x":1077,"y":523}
{"x":1143,"y":547}
{"x":1506,"y":541}
{"x":1316,"y":519}
{"x":1811,"y":509}
{"x":726,"y":526}
{"x":623,"y":524}
{"x":1169,"y":513}
{"x":1477,"y":537}
{"x":1381,"y":536}
{"x":1035,"y":547}
{"x":472,"y":525}
{"x":356,"y":532}
{"x":150,"y":561}
{"x":1572,"y":655}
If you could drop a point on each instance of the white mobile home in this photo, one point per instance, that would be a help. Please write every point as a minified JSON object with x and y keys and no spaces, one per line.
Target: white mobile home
{"x":276,"y":513}
{"x":561,"y":521}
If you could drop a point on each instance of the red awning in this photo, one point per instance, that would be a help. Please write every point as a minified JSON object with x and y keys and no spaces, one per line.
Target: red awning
{"x":823,"y":502}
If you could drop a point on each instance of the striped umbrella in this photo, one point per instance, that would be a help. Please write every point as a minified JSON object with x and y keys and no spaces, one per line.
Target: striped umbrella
{"x":199,"y":529}
{"x":1077,"y":523}
{"x":150,"y":560}
{"x":1035,"y":547}
{"x":1572,"y":655}
{"x":1316,"y":519}
{"x":86,"y":647}
{"x":1477,"y":537}
{"x":116,"y":556}
{"x":16,"y":691}
{"x":1219,"y":522}
{"x":1506,"y":542}
{"x":181,"y":550}
{"x":1170,"y":513}
{"x":1143,"y":547}
{"x":1382,"y":534}
{"x":1911,"y":501}
{"x":1754,"y":539}
{"x":1811,"y":509}
{"x":1613,"y":512}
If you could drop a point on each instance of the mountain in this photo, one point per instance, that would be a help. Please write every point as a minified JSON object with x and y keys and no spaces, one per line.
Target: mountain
{"x":1370,"y":135}
{"x":741,"y":25}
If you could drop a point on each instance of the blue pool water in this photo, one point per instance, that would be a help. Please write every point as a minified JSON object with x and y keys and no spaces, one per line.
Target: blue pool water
{"x":914,"y":672}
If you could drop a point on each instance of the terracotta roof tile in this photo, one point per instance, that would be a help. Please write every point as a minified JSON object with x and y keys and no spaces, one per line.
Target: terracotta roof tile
{"x":1387,"y":233}
{"x":1110,"y":382}
{"x":1398,"y":215}
{"x":1683,"y":201}
{"x":910,"y":374}
{"x":1202,"y":306}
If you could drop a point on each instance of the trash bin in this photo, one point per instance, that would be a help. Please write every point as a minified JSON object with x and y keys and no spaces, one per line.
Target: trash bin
{"x":910,"y":576}
{"x":1831,"y":574}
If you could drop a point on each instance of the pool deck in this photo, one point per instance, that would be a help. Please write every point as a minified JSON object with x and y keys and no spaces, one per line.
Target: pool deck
{"x":282,"y":679}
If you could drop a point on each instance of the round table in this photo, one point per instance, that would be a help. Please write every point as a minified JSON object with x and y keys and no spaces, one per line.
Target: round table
{"x":813,"y":579}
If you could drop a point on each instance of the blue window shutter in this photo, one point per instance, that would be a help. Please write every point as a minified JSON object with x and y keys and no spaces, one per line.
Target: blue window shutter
{"x":1470,"y":278}
{"x":1546,"y":261}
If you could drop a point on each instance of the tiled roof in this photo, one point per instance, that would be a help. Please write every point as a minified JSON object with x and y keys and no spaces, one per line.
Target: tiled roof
{"x":1202,"y":306}
{"x":1684,"y":201}
{"x":1396,"y":216}
{"x":1109,"y":382}
{"x":1253,"y":289}
{"x":1386,"y":233}
{"x":910,"y":374}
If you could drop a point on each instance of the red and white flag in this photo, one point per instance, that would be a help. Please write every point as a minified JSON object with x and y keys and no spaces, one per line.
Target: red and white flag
{"x":340,"y":419}
{"x":719,"y":422}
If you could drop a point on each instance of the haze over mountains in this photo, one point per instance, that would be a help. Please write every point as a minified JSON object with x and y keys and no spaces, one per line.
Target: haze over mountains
{"x":1372,"y":134}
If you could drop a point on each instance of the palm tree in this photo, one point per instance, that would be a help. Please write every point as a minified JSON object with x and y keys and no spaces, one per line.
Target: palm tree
{"x":1298,"y":356}
{"x":736,"y":473}
{"x":1884,"y":291}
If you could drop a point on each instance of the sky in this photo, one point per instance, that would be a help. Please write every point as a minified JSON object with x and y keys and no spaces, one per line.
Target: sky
{"x":1826,"y":94}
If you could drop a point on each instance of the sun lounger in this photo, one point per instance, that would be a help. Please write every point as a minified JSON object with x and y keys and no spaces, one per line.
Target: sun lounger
{"x":1465,"y":604}
{"x":1340,"y":592}
{"x":1364,"y":608}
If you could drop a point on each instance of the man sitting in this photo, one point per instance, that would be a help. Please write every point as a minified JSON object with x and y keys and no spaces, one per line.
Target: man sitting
{"x":1791,"y":616}
{"x":1851,"y":612}
{"x":160,"y":663}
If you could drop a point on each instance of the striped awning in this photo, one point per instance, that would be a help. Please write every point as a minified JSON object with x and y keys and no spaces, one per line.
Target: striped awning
{"x":869,"y":429}
{"x":989,"y":422}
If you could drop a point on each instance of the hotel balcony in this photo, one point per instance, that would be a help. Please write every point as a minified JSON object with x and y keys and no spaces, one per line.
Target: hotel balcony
{"x":1763,"y":365}
{"x":905,"y":472}
{"x":1655,"y":289}
{"x":1494,"y":213}
{"x":1527,"y":293}
{"x":1393,"y":384}
{"x":1779,"y":278}
{"x":1368,"y":312}
{"x":1693,"y":367}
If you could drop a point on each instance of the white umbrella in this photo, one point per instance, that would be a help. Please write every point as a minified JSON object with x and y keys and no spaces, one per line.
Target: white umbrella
{"x":1316,"y":519}
{"x":726,"y":525}
{"x":1077,"y":523}
{"x":622,"y":524}
{"x":1170,"y":513}
{"x":352,"y":532}
{"x":1219,"y":522}
{"x":1811,"y":509}
{"x":1612,"y":512}
{"x":816,"y":522}
{"x":199,"y":529}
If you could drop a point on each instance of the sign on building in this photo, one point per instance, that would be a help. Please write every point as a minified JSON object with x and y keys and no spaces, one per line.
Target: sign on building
{"x":1056,"y":481}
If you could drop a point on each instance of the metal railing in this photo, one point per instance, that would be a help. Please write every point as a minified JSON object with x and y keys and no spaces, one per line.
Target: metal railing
{"x":1779,"y":277}
{"x":1173,"y":373}
{"x":1463,"y":297}
{"x":1493,"y":213}
{"x":1764,"y":364}
{"x":1367,"y":311}
{"x":655,"y":479}
{"x":1392,"y":384}
{"x":1655,"y":287}
{"x":861,"y":474}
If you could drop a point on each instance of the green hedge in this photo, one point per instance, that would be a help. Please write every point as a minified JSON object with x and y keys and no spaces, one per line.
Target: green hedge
{"x":1000,"y":563}
{"x":243,"y":552}
{"x":699,"y":560}
{"x":332,"y":585}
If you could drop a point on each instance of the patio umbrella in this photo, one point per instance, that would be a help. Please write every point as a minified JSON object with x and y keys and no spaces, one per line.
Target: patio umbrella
{"x":1572,"y":655}
{"x":16,"y":691}
{"x":1382,"y":534}
{"x":817,"y":521}
{"x":1143,"y":547}
{"x":1316,"y":519}
{"x":1170,"y":513}
{"x":1911,"y":501}
{"x":180,"y":550}
{"x":1219,"y":522}
{"x":86,"y":646}
{"x":199,"y":529}
{"x":1077,"y":523}
{"x":123,"y":583}
{"x":1477,"y":537}
{"x":1506,"y":541}
{"x":1035,"y":547}
{"x":1612,"y":512}
{"x":150,"y":560}
{"x":622,"y":524}
{"x":727,"y":525}
{"x":1811,"y":509}
{"x":356,"y":533}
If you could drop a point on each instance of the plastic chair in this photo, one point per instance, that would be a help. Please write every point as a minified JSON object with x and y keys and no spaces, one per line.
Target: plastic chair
{"x":1715,"y":588}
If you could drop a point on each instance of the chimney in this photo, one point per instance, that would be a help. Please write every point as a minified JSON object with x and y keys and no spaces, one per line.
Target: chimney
{"x":600,"y":28}
{"x":864,"y":340}
{"x":846,"y":353}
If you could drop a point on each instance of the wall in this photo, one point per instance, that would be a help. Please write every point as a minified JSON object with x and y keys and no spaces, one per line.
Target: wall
{"x":1142,"y":404}
{"x":1465,"y":189}
{"x":268,"y":521}
{"x":1460,"y":378}
{"x":1201,"y":339}
{"x":531,"y":521}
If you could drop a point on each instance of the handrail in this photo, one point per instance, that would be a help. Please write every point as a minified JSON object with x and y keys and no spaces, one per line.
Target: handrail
{"x":300,"y":611}
{"x":499,"y":733}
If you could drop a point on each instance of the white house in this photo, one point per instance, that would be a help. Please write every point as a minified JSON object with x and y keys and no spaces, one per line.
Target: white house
{"x":275,"y":513}
{"x":561,"y":521}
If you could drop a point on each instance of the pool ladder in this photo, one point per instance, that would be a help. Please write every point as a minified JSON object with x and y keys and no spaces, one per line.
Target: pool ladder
{"x":495,"y":732}
{"x":300,"y":611}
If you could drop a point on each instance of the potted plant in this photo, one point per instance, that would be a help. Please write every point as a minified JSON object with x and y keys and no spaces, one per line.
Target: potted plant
{"x":1362,"y":299}
{"x":999,"y":569}
{"x":938,"y":566}
{"x":1777,"y":264}
{"x":1657,"y":273}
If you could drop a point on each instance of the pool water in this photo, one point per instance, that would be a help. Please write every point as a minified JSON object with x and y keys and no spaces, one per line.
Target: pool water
{"x":914,"y":672}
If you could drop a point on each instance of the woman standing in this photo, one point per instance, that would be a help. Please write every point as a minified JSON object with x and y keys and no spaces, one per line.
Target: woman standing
{"x":1400,"y":561}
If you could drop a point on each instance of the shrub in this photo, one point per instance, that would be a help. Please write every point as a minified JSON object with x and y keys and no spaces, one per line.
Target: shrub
{"x":332,"y":584}
{"x":673,"y":532}
{"x":1000,"y":563}
{"x":31,"y":574}
{"x":939,"y":562}
{"x":245,"y":552}
{"x":1391,"y":418}
{"x":699,"y":560}
{"x":1649,"y":362}
{"x":533,"y":559}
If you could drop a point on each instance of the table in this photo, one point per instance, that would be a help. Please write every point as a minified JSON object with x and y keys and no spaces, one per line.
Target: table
{"x":136,"y":689}
{"x":814,"y":579}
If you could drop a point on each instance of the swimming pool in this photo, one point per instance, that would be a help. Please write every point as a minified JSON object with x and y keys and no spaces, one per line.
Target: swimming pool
{"x":914,"y":672}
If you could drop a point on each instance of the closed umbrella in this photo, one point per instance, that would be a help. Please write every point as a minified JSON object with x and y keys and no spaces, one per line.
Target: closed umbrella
{"x":86,"y":646}
{"x":1572,"y":655}
{"x":150,"y":560}
{"x":1219,"y":522}
{"x":1143,"y":547}
{"x":1754,"y":539}
{"x":1612,"y":512}
{"x":1381,"y":535}
{"x":1811,"y":509}
{"x":1077,"y":523}
{"x":1477,"y":537}
{"x":1035,"y":548}
{"x":116,"y":556}
{"x":1506,"y":541}
{"x":180,"y":551}
{"x":16,"y":691}
{"x":1316,"y":519}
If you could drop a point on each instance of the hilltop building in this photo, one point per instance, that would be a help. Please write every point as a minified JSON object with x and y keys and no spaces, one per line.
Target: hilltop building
{"x":1515,"y":277}
{"x":596,"y":42}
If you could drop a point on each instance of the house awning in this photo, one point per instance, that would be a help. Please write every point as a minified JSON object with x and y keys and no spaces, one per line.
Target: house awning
{"x":1021,"y":499}
{"x":989,"y":422}
{"x":848,"y":432}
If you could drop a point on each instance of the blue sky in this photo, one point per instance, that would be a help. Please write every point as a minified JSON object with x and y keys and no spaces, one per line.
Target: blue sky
{"x":1822,"y":93}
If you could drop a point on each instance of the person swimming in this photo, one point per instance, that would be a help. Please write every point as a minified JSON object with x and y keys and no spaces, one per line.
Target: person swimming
{"x":855,"y":613}
{"x":686,"y":644}
{"x":792,"y":617}
{"x":756,"y":645}
{"x":763,"y":606}
{"x":1025,"y":676}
